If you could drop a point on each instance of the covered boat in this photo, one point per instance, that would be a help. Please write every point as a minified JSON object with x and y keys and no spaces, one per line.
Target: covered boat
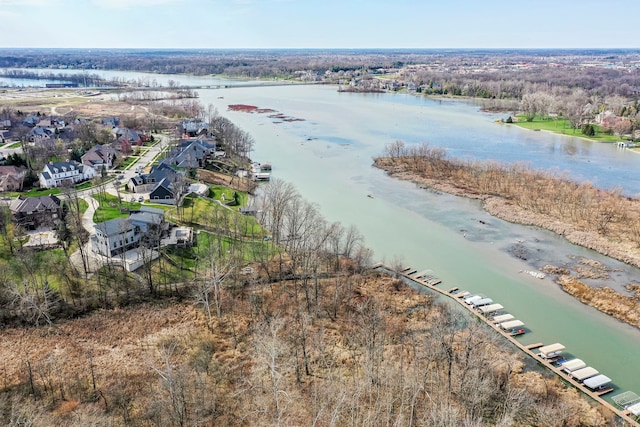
{"x":596,"y":382}
{"x":491,"y":308}
{"x":503,"y":318}
{"x":573,"y":365}
{"x":511,"y":324}
{"x":551,"y":350}
{"x":584,"y":373}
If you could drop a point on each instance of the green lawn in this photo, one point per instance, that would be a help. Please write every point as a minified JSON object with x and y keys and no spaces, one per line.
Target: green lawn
{"x":562,"y":126}
{"x":209,"y":213}
{"x":128,"y":162}
{"x":110,"y":207}
{"x":37,"y":192}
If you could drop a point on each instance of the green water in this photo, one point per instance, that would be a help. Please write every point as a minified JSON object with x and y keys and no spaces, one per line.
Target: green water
{"x":462,"y":245}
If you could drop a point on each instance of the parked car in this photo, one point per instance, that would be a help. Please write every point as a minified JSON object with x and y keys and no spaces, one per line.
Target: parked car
{"x":141,"y":199}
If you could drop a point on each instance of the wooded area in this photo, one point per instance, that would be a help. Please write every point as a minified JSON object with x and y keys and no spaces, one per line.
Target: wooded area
{"x":383,"y":355}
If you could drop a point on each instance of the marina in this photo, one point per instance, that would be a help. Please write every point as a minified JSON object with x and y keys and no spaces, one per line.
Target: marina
{"x":586,"y":379}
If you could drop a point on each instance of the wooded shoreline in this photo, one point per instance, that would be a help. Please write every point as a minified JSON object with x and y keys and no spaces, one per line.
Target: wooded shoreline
{"x":604,"y":221}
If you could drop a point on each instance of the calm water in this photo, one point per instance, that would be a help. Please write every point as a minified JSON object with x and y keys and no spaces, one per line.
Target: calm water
{"x":143,"y":79}
{"x":328,"y":157}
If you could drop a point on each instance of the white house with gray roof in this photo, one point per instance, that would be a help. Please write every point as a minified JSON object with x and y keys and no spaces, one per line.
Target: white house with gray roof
{"x":55,"y":174}
{"x":118,"y":235}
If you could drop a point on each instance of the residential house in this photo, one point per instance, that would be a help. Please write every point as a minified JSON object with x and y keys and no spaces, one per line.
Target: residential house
{"x":112,"y":122}
{"x":31,"y":120}
{"x":34,"y":212}
{"x":129,"y":135}
{"x":52,"y":123}
{"x":122,"y":234}
{"x":4,"y":135}
{"x":123,"y":146}
{"x":145,"y":183}
{"x":138,"y":184}
{"x":114,"y":237}
{"x":194,"y":127}
{"x":68,"y":172}
{"x":12,"y":178}
{"x":166,"y":192}
{"x":39,"y":134}
{"x":190,"y":153}
{"x":100,"y":156}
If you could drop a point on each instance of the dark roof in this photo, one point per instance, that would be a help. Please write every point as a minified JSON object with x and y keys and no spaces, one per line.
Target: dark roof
{"x":58,"y":167}
{"x":24,"y":204}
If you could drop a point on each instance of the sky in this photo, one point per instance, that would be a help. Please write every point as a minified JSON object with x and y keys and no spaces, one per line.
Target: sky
{"x":199,"y":24}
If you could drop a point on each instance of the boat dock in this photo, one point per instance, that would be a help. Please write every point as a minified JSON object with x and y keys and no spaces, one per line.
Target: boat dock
{"x":534,"y":346}
{"x":595,"y":389}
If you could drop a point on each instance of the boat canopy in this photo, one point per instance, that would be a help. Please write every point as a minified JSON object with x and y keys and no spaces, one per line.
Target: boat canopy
{"x":511,"y":324}
{"x":584,"y":373}
{"x":503,"y":318}
{"x":596,"y":382}
{"x":634,"y":409}
{"x":626,"y":399}
{"x":481,"y":302}
{"x":472,"y":298}
{"x":551,"y":350}
{"x":573,"y":365}
{"x":491,"y":308}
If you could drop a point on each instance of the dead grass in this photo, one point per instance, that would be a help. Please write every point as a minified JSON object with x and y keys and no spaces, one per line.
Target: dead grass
{"x":125,"y":348}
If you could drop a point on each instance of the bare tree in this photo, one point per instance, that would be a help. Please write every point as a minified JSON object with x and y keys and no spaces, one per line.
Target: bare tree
{"x":270,"y":355}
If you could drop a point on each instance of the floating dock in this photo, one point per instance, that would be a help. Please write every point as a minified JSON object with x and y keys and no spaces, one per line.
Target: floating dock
{"x":625,"y":414}
{"x":534,"y":346}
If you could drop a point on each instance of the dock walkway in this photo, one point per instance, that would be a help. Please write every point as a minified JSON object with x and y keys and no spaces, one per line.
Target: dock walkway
{"x":430,"y":282}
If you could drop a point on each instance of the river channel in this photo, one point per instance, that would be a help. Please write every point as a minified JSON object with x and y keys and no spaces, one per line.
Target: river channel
{"x":328,"y":157}
{"x":328,"y":154}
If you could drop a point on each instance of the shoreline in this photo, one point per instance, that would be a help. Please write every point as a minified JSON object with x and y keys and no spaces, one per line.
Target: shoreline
{"x":605,"y":299}
{"x":527,"y":350}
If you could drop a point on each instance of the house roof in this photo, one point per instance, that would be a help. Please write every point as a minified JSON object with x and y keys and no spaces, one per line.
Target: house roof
{"x":16,"y":171}
{"x":152,"y":210}
{"x":160,"y":172}
{"x":99,"y":154}
{"x":59,"y":167}
{"x":114,"y":226}
{"x":147,"y":217}
{"x":24,"y":204}
{"x":138,"y":179}
{"x":128,"y":134}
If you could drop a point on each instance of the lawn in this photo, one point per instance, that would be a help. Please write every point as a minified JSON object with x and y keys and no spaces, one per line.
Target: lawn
{"x":37,"y":192}
{"x":110,"y":207}
{"x":562,"y":126}
{"x":211,"y":215}
{"x":128,"y":162}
